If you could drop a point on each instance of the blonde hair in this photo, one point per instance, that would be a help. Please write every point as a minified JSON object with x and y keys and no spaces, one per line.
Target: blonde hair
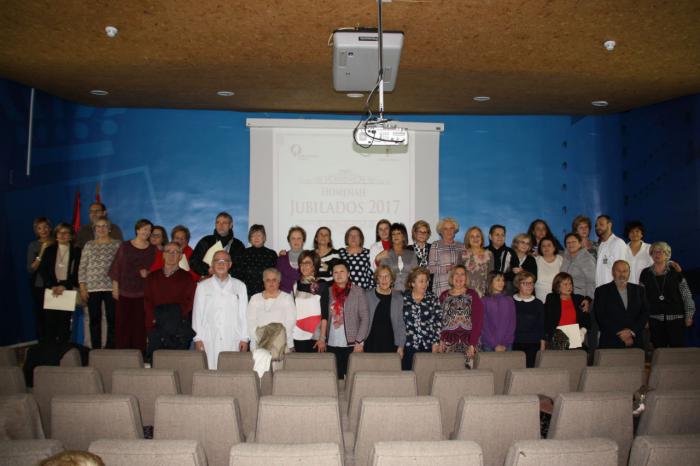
{"x":414,"y":274}
{"x":663,"y":246}
{"x":382,"y":268}
{"x":466,"y":236}
{"x":73,"y":458}
{"x":450,"y":275}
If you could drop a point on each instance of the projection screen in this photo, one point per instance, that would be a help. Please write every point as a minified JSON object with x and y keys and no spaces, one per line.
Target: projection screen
{"x":311,"y":173}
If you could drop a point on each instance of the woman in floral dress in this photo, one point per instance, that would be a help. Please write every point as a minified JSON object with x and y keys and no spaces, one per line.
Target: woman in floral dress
{"x":477,"y":260}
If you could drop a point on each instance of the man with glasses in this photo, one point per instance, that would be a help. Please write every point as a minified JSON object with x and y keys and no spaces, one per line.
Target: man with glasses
{"x":87,"y":232}
{"x":219,"y":314}
{"x":168,"y":299}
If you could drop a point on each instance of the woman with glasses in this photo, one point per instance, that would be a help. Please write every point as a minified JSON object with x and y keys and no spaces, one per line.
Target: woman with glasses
{"x":248,"y":266}
{"x":307,"y":298}
{"x":387,"y":332}
{"x":522,"y":260}
{"x":529,"y":318}
{"x":59,"y":272}
{"x":95,"y":284}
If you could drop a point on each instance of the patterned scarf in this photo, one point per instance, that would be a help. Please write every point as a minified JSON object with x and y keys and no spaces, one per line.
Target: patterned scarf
{"x":339,"y":296}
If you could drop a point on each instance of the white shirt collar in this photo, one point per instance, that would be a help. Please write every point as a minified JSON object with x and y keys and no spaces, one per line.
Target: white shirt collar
{"x":524,"y":300}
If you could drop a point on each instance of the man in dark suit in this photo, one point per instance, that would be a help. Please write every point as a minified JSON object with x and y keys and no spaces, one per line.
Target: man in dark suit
{"x":622,"y":310}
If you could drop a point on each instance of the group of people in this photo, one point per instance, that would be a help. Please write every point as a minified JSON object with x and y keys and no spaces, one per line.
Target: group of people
{"x":445,"y":296}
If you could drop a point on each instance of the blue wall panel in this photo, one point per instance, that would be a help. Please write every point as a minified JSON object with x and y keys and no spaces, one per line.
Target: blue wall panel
{"x":183,"y":166}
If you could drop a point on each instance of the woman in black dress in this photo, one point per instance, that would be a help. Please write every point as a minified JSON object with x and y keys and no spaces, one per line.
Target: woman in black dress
{"x":387,"y":332}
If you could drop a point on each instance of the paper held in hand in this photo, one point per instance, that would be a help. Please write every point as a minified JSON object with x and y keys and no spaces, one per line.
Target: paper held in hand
{"x":573,"y":332}
{"x":209,"y":256}
{"x":65,"y":302}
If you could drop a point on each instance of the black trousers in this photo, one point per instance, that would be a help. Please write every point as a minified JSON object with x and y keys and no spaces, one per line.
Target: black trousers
{"x":95,"y":300}
{"x":669,"y":333}
{"x":530,"y":350}
{"x":304,"y":346}
{"x":342,"y":354}
{"x":38,"y":299}
{"x":56,"y":326}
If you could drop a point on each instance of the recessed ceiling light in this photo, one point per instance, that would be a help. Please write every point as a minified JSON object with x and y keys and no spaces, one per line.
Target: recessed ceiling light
{"x":355,"y":95}
{"x":482,"y":98}
{"x":609,"y":45}
{"x":111,"y":32}
{"x":225,"y":93}
{"x":98,"y":92}
{"x":600,"y":103}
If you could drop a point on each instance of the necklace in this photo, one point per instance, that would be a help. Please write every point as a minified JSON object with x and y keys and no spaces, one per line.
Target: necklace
{"x":663,"y":285}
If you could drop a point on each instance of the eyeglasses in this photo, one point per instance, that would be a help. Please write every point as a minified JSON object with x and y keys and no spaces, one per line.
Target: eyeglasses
{"x":422,"y":232}
{"x":222,"y":261}
{"x":173,"y":251}
{"x":527,"y":283}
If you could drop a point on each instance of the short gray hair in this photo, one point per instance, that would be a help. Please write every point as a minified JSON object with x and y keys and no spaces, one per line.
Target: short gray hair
{"x":441,"y":224}
{"x":274,"y":271}
{"x":663,"y":246}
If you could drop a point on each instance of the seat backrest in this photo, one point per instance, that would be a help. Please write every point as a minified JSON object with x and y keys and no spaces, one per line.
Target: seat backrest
{"x":594,"y":451}
{"x":419,"y":453}
{"x":499,"y":362}
{"x":665,"y":450}
{"x":371,"y":362}
{"x":669,"y":413}
{"x":107,"y":361}
{"x":237,"y":361}
{"x":378,"y":384}
{"x":573,"y":361}
{"x":616,"y":357}
{"x":495,"y":422}
{"x":665,"y":356}
{"x":285,"y":419}
{"x":310,"y":362}
{"x":81,"y":419}
{"x":26,"y":452}
{"x":213,"y":421}
{"x":586,"y":415}
{"x":243,"y":386}
{"x":310,"y":454}
{"x":450,"y":386}
{"x":149,"y":452}
{"x":20,"y":415}
{"x":8,"y":356}
{"x":50,"y":381}
{"x":71,"y":359}
{"x":626,"y":379}
{"x":389,"y":419}
{"x":425,"y":364}
{"x":184,"y":362}
{"x":548,"y":382}
{"x":146,"y":385}
{"x":11,"y":380}
{"x":675,"y":377}
{"x":305,"y":383}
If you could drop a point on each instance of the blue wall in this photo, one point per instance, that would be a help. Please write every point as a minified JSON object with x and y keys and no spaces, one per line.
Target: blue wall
{"x":183,"y":166}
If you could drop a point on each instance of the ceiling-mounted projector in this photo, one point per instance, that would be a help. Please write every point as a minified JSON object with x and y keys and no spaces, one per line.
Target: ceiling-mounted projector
{"x":355,"y":58}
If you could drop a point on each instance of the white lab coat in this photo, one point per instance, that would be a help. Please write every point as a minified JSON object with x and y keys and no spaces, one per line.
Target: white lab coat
{"x":609,"y":251}
{"x":263,"y":311}
{"x":219,"y":316}
{"x":374,"y":251}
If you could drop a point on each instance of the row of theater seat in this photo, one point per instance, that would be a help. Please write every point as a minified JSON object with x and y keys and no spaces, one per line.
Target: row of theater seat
{"x":493,"y":422}
{"x":646,"y":451}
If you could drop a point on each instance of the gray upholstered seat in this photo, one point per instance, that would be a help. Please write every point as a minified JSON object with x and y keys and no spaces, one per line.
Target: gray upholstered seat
{"x":450,"y":386}
{"x":146,"y":385}
{"x":214,"y":422}
{"x":310,"y":362}
{"x":237,"y":361}
{"x":184,"y":362}
{"x":675,"y":377}
{"x":314,"y":454}
{"x":149,"y":452}
{"x":671,"y":412}
{"x":549,"y":382}
{"x":665,"y":450}
{"x":425,"y":364}
{"x":666,"y":356}
{"x":106,"y":361}
{"x":27,"y":452}
{"x":495,"y":422}
{"x":626,"y":379}
{"x":573,"y":361}
{"x":378,"y":384}
{"x":305,"y":383}
{"x":79,"y":420}
{"x":499,"y":363}
{"x":587,"y":415}
{"x":12,"y":381}
{"x":20,"y":415}
{"x":615,"y":357}
{"x":419,"y":453}
{"x":579,"y":452}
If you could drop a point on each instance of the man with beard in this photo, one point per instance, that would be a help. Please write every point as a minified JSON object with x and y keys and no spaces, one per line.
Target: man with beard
{"x":610,"y":249}
{"x":622,"y":310}
{"x":223,"y":233}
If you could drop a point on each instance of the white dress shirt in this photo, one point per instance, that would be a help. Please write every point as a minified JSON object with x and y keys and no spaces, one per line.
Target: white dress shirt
{"x":609,"y":251}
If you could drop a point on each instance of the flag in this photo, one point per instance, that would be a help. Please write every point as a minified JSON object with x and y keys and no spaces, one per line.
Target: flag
{"x":76,"y":212}
{"x":98,"y":198}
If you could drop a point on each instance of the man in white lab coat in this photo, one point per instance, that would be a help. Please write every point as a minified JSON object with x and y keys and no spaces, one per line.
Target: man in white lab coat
{"x":219,"y":313}
{"x":610,"y":249}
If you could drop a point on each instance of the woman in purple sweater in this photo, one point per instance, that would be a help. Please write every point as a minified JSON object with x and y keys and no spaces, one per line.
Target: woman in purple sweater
{"x":288,"y":261}
{"x":499,"y":315}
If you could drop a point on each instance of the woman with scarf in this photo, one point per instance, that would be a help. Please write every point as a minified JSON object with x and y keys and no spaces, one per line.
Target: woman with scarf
{"x":307,"y":298}
{"x":344,"y":318}
{"x":288,"y":261}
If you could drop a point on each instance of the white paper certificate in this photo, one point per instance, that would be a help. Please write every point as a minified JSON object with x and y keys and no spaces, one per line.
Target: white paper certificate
{"x":574,"y":333}
{"x":209,"y":256}
{"x":65,"y":302}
